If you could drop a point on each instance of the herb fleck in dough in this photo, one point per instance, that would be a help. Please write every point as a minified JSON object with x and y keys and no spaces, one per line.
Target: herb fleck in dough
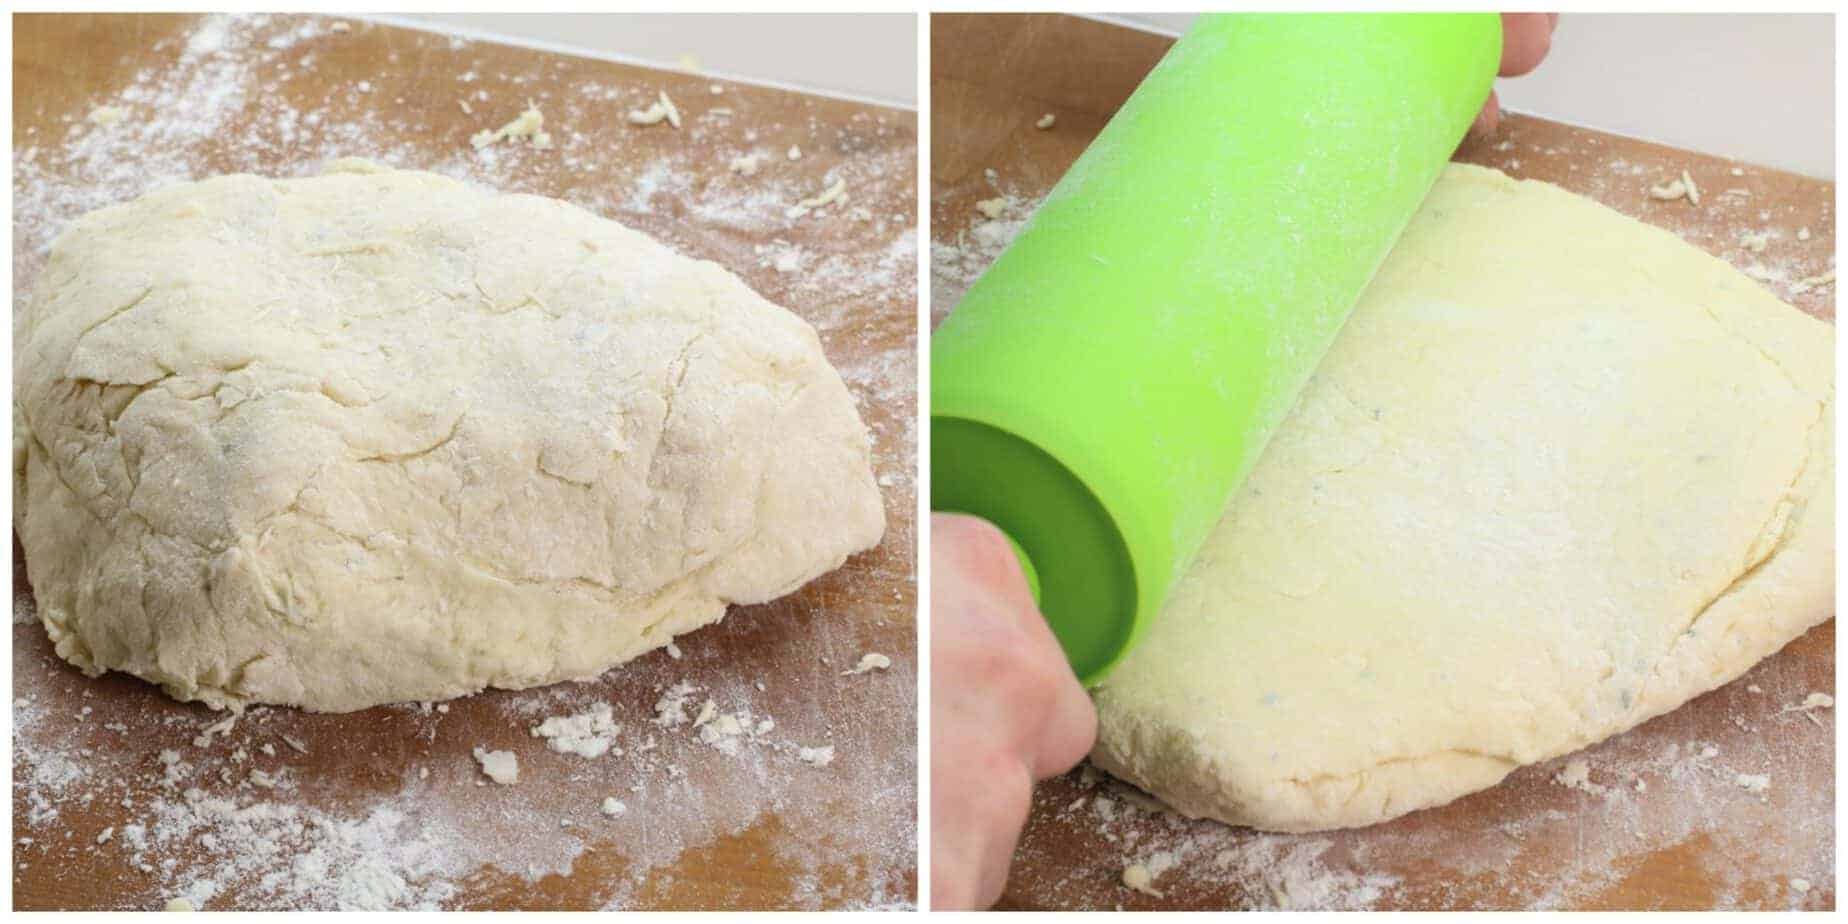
{"x":378,"y":436}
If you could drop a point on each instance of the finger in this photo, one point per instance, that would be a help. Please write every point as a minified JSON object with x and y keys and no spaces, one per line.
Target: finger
{"x":979,"y":551}
{"x":1526,"y":37}
{"x":1071,"y":729}
{"x":1488,"y":119}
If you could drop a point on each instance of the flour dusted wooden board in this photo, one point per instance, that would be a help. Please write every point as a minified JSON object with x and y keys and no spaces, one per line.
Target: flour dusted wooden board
{"x":387,"y":807}
{"x":1690,"y":837}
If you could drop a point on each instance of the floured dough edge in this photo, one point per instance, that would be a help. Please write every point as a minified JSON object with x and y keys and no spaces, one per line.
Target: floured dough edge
{"x":1765,"y":607}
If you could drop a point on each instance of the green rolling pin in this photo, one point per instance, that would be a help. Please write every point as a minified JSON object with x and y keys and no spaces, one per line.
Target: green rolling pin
{"x":1103,"y":389}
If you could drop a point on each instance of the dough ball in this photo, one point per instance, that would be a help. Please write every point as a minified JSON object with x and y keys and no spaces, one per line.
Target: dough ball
{"x":379,"y":436}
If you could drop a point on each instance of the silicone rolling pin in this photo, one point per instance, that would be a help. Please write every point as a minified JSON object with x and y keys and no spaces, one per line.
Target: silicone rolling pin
{"x":1103,"y":389}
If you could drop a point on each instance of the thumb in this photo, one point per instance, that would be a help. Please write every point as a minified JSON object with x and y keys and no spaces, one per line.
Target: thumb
{"x":978,"y":551}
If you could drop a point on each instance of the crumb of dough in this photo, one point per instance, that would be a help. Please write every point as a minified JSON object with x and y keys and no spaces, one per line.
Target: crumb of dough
{"x":795,"y":153}
{"x":871,"y":661}
{"x":817,"y":757}
{"x":1808,"y":707}
{"x":747,"y":165}
{"x":1046,"y":121}
{"x":716,"y":89}
{"x":589,"y":734}
{"x":661,"y":110}
{"x":179,"y":904}
{"x":1755,"y":241}
{"x":341,"y":25}
{"x":221,"y":727}
{"x":1737,"y":171}
{"x":1137,"y":878}
{"x":465,"y":107}
{"x":1575,"y":775}
{"x":673,"y":651}
{"x":1682,"y":188}
{"x":108,"y":115}
{"x":1756,"y":783}
{"x":500,"y":766}
{"x":835,"y":192}
{"x":1799,"y":885}
{"x":613,"y":807}
{"x":1803,"y":234}
{"x":529,"y":124}
{"x":992,"y":208}
{"x":1668,"y":191}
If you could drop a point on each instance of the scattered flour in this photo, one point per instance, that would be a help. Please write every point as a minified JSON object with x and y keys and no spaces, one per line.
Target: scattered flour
{"x":671,"y":709}
{"x":1756,"y":783}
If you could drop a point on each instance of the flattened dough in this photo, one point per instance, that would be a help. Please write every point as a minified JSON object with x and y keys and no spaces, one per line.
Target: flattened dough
{"x":378,"y":436}
{"x":1560,"y":473}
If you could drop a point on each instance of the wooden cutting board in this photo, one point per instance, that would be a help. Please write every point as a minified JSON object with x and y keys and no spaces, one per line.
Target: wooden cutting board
{"x":387,"y":807}
{"x":1691,"y":838}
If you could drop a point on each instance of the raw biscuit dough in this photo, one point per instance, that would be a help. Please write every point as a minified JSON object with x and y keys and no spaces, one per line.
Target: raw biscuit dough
{"x":378,"y":436}
{"x":1560,"y":473}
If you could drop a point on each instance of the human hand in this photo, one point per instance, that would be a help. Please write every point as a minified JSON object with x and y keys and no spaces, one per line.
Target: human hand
{"x":1006,"y":710}
{"x":1526,"y":38}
